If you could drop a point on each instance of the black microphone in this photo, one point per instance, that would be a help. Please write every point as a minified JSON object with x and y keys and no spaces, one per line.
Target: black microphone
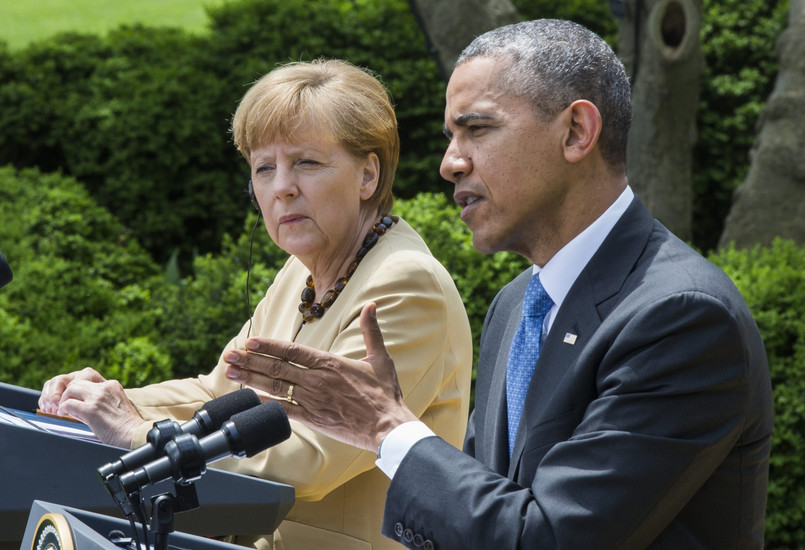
{"x":5,"y":271}
{"x":210,"y":417}
{"x":186,"y":457}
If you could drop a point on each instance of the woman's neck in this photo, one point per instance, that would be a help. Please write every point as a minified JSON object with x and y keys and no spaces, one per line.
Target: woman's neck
{"x":327,"y":272}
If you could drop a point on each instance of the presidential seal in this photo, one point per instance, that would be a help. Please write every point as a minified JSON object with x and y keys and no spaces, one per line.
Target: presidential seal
{"x":53,"y":533}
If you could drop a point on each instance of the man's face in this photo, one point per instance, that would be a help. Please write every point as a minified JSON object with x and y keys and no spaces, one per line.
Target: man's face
{"x":506,"y":164}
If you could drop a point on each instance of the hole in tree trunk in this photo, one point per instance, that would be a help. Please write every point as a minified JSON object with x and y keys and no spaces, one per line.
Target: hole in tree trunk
{"x":673,"y":25}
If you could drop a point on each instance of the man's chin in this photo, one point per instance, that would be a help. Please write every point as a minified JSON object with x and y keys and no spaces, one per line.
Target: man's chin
{"x":483,"y":244}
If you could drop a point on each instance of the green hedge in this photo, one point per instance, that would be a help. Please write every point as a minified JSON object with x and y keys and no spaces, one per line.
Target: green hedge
{"x":141,"y":115}
{"x":82,"y":287}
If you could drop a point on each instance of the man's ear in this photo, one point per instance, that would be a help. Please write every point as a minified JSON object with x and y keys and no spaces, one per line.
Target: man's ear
{"x":371,"y":176}
{"x":583,"y":130}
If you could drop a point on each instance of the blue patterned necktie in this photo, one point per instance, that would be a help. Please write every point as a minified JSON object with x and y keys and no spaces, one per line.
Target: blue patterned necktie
{"x":524,"y":352}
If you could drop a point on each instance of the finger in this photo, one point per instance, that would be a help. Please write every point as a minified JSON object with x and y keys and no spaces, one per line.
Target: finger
{"x":52,"y":392}
{"x":372,"y":336}
{"x":280,"y":353}
{"x":261,"y":372}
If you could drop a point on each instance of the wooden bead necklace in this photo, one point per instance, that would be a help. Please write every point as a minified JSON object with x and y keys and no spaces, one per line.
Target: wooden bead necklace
{"x":310,"y":311}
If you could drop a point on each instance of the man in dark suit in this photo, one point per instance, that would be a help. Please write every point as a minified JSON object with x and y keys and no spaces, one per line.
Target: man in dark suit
{"x":647,"y":420}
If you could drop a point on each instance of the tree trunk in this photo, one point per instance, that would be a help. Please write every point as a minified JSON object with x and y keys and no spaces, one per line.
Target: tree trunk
{"x":450,"y":25}
{"x":659,"y":44}
{"x":771,"y":200}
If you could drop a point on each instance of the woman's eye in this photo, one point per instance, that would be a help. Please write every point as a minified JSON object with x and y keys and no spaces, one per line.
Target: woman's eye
{"x":264,"y":168}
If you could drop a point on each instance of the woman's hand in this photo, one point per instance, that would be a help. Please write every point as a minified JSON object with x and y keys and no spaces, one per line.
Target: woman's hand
{"x":357,"y":402}
{"x":54,"y":388}
{"x":99,"y":403}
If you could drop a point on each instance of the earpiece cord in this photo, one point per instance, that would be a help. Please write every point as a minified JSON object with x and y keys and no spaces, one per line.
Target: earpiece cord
{"x":248,"y":275}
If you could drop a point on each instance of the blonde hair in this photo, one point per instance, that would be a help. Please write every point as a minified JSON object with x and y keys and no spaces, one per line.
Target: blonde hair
{"x":331,"y":97}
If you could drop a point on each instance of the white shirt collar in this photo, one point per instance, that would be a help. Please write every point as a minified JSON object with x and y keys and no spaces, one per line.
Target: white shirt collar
{"x":561,"y":271}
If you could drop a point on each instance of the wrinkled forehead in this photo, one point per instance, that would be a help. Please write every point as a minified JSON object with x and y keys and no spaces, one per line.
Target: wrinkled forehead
{"x":474,"y":88}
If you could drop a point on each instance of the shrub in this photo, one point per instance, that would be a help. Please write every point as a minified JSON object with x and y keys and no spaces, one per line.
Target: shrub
{"x":81,"y":289}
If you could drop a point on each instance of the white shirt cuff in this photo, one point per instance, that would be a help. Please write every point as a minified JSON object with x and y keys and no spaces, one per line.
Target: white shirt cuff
{"x":397,"y":443}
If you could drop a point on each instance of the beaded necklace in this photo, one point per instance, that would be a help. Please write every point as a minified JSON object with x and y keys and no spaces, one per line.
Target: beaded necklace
{"x":310,"y":311}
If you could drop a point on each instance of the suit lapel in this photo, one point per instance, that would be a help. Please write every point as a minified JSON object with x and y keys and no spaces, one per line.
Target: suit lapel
{"x":578,"y":318}
{"x":496,"y":422}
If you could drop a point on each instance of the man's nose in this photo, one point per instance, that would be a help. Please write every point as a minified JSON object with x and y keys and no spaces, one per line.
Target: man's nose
{"x":454,"y":164}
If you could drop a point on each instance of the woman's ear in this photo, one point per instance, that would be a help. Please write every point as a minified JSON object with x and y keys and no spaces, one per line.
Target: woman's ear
{"x":371,"y":176}
{"x":584,"y":129}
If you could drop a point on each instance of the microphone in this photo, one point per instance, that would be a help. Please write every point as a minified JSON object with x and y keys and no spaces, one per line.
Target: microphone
{"x":186,"y":457}
{"x":207,"y":419}
{"x":5,"y":271}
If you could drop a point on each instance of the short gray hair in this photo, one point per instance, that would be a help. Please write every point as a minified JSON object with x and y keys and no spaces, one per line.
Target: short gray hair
{"x":554,"y":63}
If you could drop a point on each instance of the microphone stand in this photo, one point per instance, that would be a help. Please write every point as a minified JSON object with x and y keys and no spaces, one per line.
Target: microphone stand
{"x":189,"y":466}
{"x":163,"y":508}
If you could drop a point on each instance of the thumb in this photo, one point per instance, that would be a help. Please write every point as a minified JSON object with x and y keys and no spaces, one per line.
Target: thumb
{"x":372,"y":337}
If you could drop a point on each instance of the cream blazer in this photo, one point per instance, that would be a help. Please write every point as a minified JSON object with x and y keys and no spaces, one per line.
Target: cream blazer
{"x":340,"y":493}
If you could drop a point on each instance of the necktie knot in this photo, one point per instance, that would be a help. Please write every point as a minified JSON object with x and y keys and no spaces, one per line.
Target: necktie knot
{"x":536,"y":302}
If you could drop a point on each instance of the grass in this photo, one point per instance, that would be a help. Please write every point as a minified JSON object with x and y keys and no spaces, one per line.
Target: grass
{"x":26,"y":21}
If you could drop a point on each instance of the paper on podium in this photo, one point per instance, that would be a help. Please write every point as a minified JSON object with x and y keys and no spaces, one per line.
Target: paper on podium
{"x":49,"y":423}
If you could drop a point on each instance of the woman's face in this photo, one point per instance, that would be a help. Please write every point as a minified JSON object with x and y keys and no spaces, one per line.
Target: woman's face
{"x":310,"y":192}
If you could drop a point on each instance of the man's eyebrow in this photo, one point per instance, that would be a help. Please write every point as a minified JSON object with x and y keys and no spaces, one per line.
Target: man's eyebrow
{"x":465,"y":119}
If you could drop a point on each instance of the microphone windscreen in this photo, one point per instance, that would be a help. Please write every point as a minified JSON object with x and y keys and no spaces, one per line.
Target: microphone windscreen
{"x":262,"y":427}
{"x":222,"y":408}
{"x":5,"y":271}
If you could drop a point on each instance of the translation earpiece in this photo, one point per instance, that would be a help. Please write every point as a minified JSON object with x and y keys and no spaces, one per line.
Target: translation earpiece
{"x":253,"y":197}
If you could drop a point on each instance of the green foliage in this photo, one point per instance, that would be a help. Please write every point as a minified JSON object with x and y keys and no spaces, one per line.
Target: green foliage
{"x":593,"y":14}
{"x":81,"y":289}
{"x":206,"y":310}
{"x":772,"y":280}
{"x":478,"y":277}
{"x":141,"y":117}
{"x":143,"y":130}
{"x":738,"y":40}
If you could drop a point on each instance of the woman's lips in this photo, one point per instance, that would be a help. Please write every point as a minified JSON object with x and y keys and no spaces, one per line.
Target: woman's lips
{"x":291,"y":218}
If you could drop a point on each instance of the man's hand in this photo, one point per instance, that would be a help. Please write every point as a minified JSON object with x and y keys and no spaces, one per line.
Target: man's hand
{"x":99,"y":403}
{"x":357,"y":402}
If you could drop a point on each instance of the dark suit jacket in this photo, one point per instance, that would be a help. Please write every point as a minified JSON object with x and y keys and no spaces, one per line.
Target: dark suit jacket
{"x":651,"y":431}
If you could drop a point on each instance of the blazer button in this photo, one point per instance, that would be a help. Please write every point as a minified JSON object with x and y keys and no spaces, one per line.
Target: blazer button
{"x":419,"y":540}
{"x":428,"y":545}
{"x":398,"y":529}
{"x":408,"y":535}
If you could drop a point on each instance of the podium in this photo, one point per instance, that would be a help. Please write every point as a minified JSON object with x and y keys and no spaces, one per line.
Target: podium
{"x":37,"y":465}
{"x":55,"y":527}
